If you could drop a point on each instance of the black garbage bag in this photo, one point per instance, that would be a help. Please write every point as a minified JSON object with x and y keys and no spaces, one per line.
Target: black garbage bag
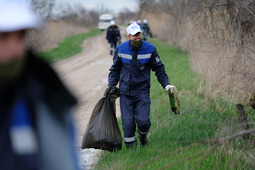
{"x":103,"y":131}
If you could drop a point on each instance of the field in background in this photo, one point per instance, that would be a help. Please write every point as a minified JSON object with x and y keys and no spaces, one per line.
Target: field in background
{"x":189,"y":141}
{"x":52,"y":33}
{"x":70,"y":46}
{"x":219,"y":37}
{"x":59,"y":39}
{"x":56,"y":31}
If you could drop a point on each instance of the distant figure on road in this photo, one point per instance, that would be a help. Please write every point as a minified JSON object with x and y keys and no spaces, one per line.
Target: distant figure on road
{"x":146,"y":29}
{"x":36,"y":130}
{"x":113,"y":36}
{"x":130,"y":22}
{"x":132,"y":65}
{"x":140,"y":24}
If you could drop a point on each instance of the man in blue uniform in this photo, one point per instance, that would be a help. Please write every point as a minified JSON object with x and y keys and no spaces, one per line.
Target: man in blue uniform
{"x":140,"y":24}
{"x":146,"y":29}
{"x":132,"y":64}
{"x":113,"y":36}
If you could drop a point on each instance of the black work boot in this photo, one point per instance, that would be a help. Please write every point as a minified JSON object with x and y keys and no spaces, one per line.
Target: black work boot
{"x":131,"y":145}
{"x":142,"y":138}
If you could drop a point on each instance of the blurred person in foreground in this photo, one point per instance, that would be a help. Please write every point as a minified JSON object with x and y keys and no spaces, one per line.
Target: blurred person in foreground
{"x":132,"y":65}
{"x":113,"y":36}
{"x":36,"y":130}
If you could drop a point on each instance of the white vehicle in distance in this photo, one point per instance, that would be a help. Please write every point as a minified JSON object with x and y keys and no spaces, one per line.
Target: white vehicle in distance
{"x":104,"y":21}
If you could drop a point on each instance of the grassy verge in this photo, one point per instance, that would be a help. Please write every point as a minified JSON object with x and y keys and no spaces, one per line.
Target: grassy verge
{"x":68,"y":47}
{"x":181,"y":142}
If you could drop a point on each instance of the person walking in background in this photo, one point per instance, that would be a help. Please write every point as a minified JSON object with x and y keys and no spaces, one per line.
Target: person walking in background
{"x":140,"y":24}
{"x":113,"y":36}
{"x":146,"y":29}
{"x":130,"y":22}
{"x":132,"y":64}
{"x":36,"y":129}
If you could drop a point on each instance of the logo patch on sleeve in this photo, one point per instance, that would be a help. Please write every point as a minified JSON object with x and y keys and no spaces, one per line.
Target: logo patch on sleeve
{"x":157,"y":59}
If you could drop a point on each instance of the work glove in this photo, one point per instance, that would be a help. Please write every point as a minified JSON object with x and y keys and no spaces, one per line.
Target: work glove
{"x":112,"y":91}
{"x":170,"y":88}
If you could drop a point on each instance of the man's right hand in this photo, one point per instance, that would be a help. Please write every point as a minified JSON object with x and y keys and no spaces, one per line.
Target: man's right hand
{"x":113,"y":91}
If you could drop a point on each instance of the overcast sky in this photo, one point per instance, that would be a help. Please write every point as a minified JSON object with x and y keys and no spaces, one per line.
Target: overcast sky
{"x":115,"y":5}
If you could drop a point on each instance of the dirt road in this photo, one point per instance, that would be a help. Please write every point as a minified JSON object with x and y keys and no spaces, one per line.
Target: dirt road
{"x":86,"y":75}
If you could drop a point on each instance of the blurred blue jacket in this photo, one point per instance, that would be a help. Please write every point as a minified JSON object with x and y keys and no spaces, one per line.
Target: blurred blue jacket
{"x":113,"y":34}
{"x":49,"y":106}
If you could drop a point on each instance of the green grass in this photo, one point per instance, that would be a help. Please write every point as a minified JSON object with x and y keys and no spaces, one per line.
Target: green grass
{"x":68,"y":47}
{"x":180,"y":143}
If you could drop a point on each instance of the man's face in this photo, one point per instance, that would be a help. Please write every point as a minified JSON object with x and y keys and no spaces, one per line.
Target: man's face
{"x":12,"y":46}
{"x":136,"y":37}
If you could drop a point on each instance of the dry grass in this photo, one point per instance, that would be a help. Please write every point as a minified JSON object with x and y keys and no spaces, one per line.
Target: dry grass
{"x":221,"y":51}
{"x":52,"y":33}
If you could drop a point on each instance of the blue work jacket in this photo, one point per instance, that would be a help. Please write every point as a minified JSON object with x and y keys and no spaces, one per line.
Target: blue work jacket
{"x":47,"y":104}
{"x":132,"y":66}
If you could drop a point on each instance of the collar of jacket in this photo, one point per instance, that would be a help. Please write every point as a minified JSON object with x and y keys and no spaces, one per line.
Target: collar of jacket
{"x":40,"y":82}
{"x":132,"y":47}
{"x":114,"y":26}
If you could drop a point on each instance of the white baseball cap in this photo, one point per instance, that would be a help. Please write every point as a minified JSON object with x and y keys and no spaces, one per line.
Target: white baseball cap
{"x":17,"y":15}
{"x":133,"y":29}
{"x":112,"y":22}
{"x":145,"y":21}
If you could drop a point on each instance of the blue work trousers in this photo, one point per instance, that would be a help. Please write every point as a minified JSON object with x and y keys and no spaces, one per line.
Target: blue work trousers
{"x":135,"y":110}
{"x":113,"y":46}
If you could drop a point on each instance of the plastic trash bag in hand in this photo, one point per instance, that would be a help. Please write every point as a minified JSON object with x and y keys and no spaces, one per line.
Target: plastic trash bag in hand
{"x":103,"y":131}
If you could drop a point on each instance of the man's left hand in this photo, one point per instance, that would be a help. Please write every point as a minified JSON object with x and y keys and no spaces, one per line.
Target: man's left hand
{"x":170,"y":88}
